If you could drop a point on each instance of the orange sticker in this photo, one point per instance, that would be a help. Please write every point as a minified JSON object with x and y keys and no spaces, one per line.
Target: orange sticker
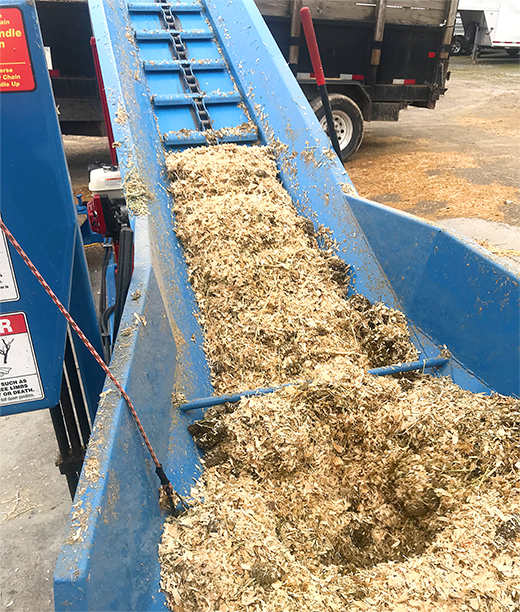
{"x":16,"y":73}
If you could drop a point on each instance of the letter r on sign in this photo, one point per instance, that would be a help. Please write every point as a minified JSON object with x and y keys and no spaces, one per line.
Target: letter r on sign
{"x":5,"y":326}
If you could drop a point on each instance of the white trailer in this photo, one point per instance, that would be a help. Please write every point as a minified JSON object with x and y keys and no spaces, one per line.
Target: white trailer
{"x":491,"y":23}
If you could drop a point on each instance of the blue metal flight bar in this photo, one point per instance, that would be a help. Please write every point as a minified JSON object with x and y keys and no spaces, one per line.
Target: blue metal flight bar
{"x":194,"y":96}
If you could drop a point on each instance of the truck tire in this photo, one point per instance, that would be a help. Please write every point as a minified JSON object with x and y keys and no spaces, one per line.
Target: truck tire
{"x":512,"y":52}
{"x":348,"y":122}
{"x":458,"y":45}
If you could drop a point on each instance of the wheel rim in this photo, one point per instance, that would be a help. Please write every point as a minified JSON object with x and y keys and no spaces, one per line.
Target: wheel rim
{"x":456,"y":47}
{"x":343,"y":126}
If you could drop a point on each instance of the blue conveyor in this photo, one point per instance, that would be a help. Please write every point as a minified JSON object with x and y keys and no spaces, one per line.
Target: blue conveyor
{"x":182,"y":74}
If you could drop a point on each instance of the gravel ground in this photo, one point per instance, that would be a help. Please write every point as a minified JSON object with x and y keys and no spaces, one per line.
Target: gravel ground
{"x":458,"y":164}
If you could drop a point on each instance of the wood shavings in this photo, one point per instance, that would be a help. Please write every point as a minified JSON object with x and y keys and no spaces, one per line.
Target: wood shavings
{"x":121,"y":114}
{"x":351,"y":492}
{"x":136,"y":193}
{"x":139,"y":319}
{"x":348,"y":189}
{"x":430,"y":184}
{"x":102,"y":397}
{"x":271,"y":303}
{"x":22,"y":505}
{"x":213,"y":136}
{"x":496,"y":251}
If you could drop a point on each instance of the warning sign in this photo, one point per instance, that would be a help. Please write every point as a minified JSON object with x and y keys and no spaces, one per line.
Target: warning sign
{"x":19,"y":376}
{"x":16,"y":73}
{"x":8,"y":286}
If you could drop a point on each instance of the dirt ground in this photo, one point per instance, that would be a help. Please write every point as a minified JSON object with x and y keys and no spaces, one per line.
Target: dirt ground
{"x":459,"y":160}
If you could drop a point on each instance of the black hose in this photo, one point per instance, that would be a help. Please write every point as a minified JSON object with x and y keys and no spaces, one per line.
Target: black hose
{"x":106,"y":337}
{"x":124,"y":276}
{"x":104,"y":313}
{"x":103,"y":292}
{"x":124,"y":273}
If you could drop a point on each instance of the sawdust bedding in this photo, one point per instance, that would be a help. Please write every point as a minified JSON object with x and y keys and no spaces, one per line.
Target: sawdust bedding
{"x":431,"y":184}
{"x":350,"y":492}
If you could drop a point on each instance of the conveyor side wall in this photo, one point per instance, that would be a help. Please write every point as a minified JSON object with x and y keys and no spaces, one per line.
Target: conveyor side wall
{"x":109,"y":558}
{"x":452,"y":289}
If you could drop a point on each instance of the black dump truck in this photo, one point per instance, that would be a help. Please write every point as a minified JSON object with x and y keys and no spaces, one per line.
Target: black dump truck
{"x":379,"y":56}
{"x":66,"y":33}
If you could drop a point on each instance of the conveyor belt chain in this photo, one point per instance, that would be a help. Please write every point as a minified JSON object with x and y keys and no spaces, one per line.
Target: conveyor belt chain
{"x":194,"y":96}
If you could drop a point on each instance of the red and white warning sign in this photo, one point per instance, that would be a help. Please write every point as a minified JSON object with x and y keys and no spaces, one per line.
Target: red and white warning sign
{"x":19,"y":376}
{"x":8,"y":286}
{"x":16,"y":72}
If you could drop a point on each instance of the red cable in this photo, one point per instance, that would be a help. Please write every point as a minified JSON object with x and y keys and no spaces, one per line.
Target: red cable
{"x":166,"y":485}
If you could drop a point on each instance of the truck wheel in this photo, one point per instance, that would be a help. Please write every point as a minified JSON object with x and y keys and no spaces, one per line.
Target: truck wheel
{"x":458,"y":45}
{"x":513,"y":52}
{"x":348,"y":122}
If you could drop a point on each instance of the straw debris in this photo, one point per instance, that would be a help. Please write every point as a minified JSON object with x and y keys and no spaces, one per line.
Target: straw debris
{"x":272,"y":304}
{"x":136,"y":192}
{"x":349,"y":492}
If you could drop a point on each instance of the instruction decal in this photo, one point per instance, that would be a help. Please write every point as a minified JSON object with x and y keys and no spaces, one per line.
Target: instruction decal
{"x":8,"y":286}
{"x":19,"y":376}
{"x":16,"y":71}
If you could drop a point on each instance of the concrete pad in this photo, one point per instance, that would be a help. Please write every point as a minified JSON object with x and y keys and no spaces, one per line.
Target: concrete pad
{"x":499,"y":235}
{"x":35,"y":505}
